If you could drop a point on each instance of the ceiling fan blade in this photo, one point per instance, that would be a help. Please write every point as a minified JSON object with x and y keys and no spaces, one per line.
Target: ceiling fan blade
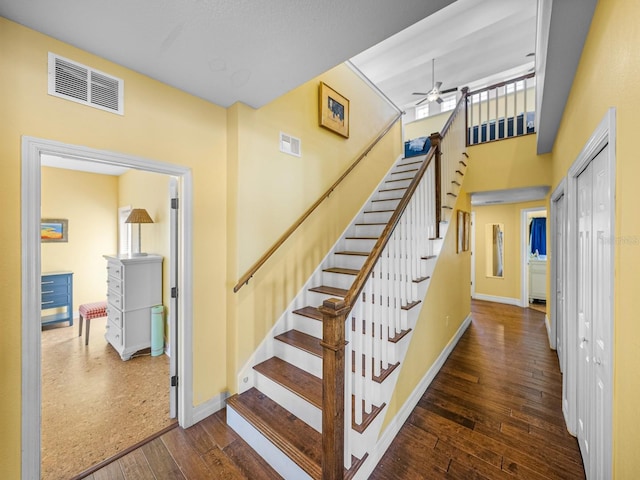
{"x":449,"y":90}
{"x":421,"y":101}
{"x":419,"y":93}
{"x":438,"y":85}
{"x":439,"y":100}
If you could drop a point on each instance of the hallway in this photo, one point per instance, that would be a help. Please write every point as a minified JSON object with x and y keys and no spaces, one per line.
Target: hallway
{"x":493,"y":411}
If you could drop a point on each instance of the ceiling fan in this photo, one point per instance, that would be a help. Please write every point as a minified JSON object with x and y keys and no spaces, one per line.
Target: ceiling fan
{"x":434,"y":95}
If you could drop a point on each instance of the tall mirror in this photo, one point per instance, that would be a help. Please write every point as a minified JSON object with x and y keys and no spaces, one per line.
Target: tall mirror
{"x":495,"y":250}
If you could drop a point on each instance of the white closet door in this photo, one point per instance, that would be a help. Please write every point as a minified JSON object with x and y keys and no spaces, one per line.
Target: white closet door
{"x":601,"y":383}
{"x":560,"y":276}
{"x":584,"y":301}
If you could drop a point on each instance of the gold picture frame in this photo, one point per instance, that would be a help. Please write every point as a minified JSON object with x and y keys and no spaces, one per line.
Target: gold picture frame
{"x":460,"y":232}
{"x":467,"y":231}
{"x":334,"y":110}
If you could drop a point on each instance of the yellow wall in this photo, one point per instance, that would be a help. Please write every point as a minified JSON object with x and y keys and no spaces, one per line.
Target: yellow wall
{"x":511,"y":163}
{"x":509,"y":215}
{"x":89,"y":202}
{"x":610,"y":57}
{"x":269,"y":190}
{"x":445,"y":308}
{"x":150,"y":191}
{"x":160,"y":123}
{"x":425,"y":126}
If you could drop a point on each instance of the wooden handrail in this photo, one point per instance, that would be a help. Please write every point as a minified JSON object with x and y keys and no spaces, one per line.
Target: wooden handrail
{"x":454,"y":114}
{"x":502,"y":84}
{"x":256,"y":266}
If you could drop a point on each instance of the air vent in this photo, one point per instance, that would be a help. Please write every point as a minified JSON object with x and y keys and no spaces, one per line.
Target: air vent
{"x":82,"y":84}
{"x":290,"y":145}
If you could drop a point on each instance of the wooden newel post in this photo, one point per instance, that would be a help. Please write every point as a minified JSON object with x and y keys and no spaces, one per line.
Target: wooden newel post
{"x":436,"y":139}
{"x":334,"y":312}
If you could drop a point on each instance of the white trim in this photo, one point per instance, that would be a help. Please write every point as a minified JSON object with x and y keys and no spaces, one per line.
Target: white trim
{"x":497,"y":299}
{"x":403,"y":414}
{"x":558,"y":193}
{"x":604,"y":134}
{"x":473,"y":254}
{"x":372,"y":86}
{"x":524,"y":255}
{"x":211,"y":406}
{"x":32,"y":148}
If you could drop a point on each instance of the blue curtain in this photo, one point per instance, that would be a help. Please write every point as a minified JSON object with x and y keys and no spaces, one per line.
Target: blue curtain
{"x":538,"y":236}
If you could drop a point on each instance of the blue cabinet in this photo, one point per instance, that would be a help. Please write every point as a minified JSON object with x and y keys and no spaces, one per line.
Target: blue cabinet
{"x":57,"y":293}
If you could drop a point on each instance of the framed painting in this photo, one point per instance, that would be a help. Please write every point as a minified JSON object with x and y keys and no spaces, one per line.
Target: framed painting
{"x":334,"y":110}
{"x":467,"y":231}
{"x":460,"y":232}
{"x":54,"y":230}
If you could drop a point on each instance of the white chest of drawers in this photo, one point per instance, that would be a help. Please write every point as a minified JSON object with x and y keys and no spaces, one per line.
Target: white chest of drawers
{"x":134,"y":285}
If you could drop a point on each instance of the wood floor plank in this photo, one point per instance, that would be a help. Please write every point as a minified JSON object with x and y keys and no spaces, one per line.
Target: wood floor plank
{"x":110,"y":472}
{"x":134,"y":466}
{"x":493,"y":412}
{"x":160,"y":460}
{"x":185,"y":455}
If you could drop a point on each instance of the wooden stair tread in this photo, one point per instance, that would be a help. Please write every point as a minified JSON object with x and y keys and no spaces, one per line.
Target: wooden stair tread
{"x":429,"y":257}
{"x":310,"y":312}
{"x":399,"y":336}
{"x":455,"y":182}
{"x":392,"y":189}
{"x":361,"y":238}
{"x":384,"y":372}
{"x":421,"y":279}
{"x":367,"y":418}
{"x":301,"y":340}
{"x":295,"y":438}
{"x":349,"y":252}
{"x":386,"y":200}
{"x":459,"y":172}
{"x":378,"y":211}
{"x":451,"y":194}
{"x":409,"y":306}
{"x":462,"y":163}
{"x":374,"y":223}
{"x":294,"y":379}
{"x":346,"y":271}
{"x":393,"y":339}
{"x":327,"y":290}
{"x":399,"y":180}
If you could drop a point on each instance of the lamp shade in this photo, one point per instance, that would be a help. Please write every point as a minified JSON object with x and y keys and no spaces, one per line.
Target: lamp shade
{"x":138,"y":215}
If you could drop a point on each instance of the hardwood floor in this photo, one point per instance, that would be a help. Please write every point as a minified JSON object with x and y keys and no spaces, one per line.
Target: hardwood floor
{"x":493,"y":411}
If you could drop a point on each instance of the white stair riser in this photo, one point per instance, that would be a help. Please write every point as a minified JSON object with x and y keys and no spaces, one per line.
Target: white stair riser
{"x":368,"y":230}
{"x":397,"y":175}
{"x":304,"y":324}
{"x":301,"y":359}
{"x":360,"y":441}
{"x":408,"y":164}
{"x":338,"y":280}
{"x":302,"y":409}
{"x":389,"y":204}
{"x":390,"y":193}
{"x":282,"y":464}
{"x":359,"y":244}
{"x":376,"y":217}
{"x":397,"y":184}
{"x":349,"y":261}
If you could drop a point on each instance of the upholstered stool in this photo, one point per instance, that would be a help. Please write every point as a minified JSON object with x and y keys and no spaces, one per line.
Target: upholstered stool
{"x":88,"y":311}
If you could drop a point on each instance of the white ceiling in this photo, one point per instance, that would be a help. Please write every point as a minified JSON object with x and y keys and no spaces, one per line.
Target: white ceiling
{"x":474,"y":43}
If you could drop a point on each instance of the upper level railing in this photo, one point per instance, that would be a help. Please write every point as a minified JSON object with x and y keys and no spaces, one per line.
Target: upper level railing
{"x":244,"y":279}
{"x":503,"y":110}
{"x":357,"y":329}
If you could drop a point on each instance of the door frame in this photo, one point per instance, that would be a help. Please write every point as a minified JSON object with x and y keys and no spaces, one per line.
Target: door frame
{"x":604,"y":134}
{"x":557,"y":194}
{"x":32,"y":148}
{"x":524,"y":254}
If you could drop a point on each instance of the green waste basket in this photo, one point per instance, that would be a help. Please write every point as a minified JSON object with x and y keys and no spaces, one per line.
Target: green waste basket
{"x":157,"y":330}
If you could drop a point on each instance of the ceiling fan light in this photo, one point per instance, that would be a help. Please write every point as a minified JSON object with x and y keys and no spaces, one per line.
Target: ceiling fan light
{"x":433,"y":95}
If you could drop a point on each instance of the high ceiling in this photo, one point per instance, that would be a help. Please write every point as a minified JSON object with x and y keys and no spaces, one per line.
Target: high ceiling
{"x":474,"y":44}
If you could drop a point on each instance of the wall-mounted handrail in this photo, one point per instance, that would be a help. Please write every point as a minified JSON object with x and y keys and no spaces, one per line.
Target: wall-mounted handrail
{"x":261,"y":261}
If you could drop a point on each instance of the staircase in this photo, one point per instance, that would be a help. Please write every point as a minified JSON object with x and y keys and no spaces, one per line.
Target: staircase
{"x":279,"y":408}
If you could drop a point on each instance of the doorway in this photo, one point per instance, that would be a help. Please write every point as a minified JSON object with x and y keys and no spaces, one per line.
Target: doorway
{"x":533,"y":258}
{"x":32,"y":149}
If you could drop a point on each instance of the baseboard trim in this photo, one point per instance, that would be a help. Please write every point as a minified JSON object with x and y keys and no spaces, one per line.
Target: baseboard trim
{"x":211,"y":406}
{"x":403,"y":414}
{"x":497,"y":299}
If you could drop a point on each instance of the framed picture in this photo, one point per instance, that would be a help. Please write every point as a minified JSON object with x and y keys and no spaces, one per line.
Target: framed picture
{"x":460,"y":232}
{"x":54,"y":230}
{"x":467,"y":231}
{"x":334,"y":110}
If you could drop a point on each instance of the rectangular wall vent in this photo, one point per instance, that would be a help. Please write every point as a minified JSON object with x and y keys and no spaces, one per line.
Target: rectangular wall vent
{"x":290,"y":145}
{"x":82,"y":84}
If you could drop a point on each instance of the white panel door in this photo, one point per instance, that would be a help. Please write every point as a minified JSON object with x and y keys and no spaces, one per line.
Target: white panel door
{"x":559,"y":215}
{"x":601,"y":382}
{"x":584,"y":303}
